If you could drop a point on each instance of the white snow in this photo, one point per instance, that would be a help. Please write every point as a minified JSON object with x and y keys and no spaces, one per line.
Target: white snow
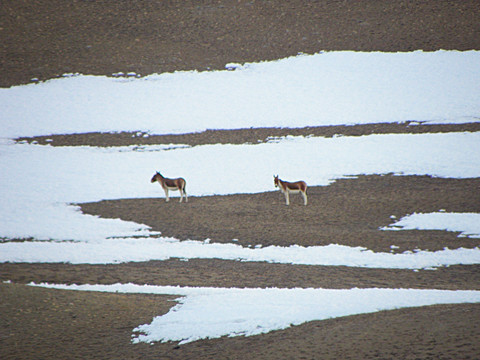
{"x":214,"y":312}
{"x":322,"y":89}
{"x":39,"y":181}
{"x":39,"y":185}
{"x":468,"y":224}
{"x":62,"y":175}
{"x":124,"y":250}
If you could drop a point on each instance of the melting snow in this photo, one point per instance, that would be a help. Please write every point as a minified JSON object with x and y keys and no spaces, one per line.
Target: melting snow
{"x":39,"y":183}
{"x":214,"y":312}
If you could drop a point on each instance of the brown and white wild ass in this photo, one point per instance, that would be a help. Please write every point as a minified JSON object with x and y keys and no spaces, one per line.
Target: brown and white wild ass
{"x":171,"y":184}
{"x":291,"y":187}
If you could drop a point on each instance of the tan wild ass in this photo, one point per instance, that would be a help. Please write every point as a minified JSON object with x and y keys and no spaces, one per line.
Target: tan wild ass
{"x":291,"y":187}
{"x":171,"y":184}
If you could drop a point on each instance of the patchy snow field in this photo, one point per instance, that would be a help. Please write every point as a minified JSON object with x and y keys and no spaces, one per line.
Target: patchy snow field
{"x":323,"y":89}
{"x":215,"y":312}
{"x":39,"y":183}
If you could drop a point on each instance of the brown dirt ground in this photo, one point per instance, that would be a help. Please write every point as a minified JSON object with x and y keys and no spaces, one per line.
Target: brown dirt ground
{"x":241,"y":136}
{"x":44,"y":39}
{"x":55,"y":324}
{"x":348,"y":212}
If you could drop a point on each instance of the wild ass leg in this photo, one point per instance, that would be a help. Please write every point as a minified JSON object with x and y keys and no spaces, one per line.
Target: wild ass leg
{"x":167,"y":199}
{"x":287,"y":197}
{"x":183,"y":191}
{"x":305,"y":200}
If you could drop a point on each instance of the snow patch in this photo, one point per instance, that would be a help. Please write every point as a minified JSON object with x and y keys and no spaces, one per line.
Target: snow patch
{"x":468,"y":224}
{"x":209,"y":313}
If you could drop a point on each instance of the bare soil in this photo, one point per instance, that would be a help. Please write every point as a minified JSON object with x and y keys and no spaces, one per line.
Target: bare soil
{"x":241,"y":136}
{"x":44,"y":39}
{"x":54,"y":324}
{"x":348,"y":212}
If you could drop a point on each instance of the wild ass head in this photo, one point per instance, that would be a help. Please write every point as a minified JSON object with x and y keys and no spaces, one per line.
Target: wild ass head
{"x":155,"y":176}
{"x":275,"y":180}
